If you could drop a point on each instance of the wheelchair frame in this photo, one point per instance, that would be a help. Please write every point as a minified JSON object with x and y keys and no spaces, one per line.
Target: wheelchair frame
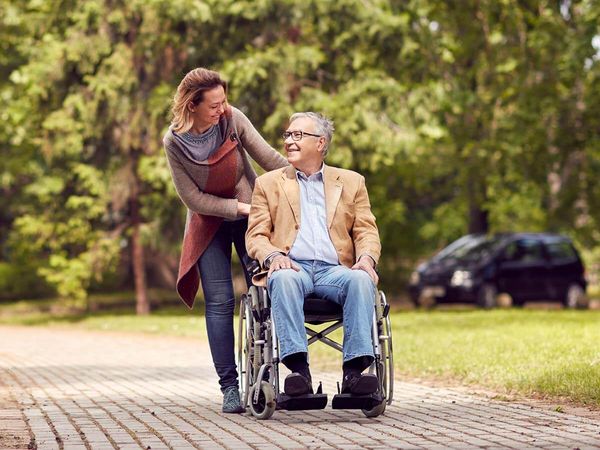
{"x":258,"y":358}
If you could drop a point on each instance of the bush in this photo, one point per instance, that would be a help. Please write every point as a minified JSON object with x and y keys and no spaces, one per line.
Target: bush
{"x":22,"y":281}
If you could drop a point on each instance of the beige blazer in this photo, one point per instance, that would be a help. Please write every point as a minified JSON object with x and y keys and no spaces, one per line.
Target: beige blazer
{"x":275,"y":215}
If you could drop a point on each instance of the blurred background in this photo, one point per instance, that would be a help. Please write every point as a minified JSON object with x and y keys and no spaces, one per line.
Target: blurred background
{"x":464,"y":116}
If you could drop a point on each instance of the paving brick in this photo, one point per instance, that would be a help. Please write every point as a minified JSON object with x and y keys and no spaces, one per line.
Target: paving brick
{"x":129,"y":391}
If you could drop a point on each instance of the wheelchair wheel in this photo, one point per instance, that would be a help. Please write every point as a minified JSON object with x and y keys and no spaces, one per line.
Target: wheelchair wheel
{"x":387,"y":352}
{"x":255,"y":359}
{"x":265,"y":406}
{"x":383,"y":366}
{"x":245,"y":348}
{"x":379,"y":369}
{"x":250,"y":356}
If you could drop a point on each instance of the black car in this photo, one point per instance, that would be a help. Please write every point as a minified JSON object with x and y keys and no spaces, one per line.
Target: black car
{"x":478,"y":267}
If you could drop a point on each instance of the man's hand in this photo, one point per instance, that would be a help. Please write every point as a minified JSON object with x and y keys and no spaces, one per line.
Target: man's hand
{"x":368,"y":265}
{"x":243,"y":209}
{"x":280,"y":262}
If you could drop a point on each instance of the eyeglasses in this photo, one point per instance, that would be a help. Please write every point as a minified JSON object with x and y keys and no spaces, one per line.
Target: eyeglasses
{"x":297,"y":135}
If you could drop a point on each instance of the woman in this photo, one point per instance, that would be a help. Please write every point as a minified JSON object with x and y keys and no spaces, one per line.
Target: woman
{"x":207,"y":148}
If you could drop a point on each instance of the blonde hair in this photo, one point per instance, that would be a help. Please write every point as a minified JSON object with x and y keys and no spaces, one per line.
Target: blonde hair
{"x":191,"y":90}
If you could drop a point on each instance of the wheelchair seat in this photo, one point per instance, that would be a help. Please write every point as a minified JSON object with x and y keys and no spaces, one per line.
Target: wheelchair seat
{"x":318,"y":310}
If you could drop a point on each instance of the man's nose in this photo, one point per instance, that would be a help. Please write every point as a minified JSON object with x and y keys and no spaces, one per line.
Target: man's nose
{"x":288,"y":140}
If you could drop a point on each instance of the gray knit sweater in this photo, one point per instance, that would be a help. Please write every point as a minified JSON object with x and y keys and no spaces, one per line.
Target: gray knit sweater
{"x":190,"y":176}
{"x":199,"y":147}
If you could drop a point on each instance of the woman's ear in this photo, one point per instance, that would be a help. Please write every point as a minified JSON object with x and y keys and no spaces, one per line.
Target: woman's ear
{"x":191,"y":107}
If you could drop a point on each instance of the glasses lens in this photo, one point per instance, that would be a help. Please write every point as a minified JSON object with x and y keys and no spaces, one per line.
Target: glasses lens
{"x":296,"y":135}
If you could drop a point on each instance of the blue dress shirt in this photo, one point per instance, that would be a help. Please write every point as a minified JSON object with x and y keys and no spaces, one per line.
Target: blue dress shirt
{"x":313,"y":241}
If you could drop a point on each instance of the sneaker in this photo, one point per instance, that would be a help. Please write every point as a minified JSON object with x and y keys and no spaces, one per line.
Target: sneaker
{"x":231,"y":401}
{"x":296,"y":384}
{"x":360,"y":384}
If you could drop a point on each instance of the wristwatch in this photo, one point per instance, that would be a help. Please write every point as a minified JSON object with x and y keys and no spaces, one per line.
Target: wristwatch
{"x":269,"y":259}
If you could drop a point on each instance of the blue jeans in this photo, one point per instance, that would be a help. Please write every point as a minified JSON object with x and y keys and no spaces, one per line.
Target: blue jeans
{"x":353,"y":289}
{"x":219,"y":298}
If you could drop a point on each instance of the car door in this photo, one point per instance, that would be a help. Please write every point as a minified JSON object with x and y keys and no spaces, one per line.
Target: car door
{"x":565,"y":267}
{"x":523,"y":271}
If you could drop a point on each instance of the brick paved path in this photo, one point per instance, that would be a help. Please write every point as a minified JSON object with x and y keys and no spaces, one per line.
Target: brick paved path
{"x":65,"y":389}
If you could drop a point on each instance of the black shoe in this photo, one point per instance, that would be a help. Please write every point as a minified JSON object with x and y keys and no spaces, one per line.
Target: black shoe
{"x":360,"y":384}
{"x":296,"y":384}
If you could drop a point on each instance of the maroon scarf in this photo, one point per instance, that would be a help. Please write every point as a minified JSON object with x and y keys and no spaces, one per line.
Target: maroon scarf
{"x":202,"y":228}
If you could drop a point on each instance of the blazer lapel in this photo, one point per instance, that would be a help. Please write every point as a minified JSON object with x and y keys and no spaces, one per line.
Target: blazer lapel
{"x":333,"y":192}
{"x":290,"y":187}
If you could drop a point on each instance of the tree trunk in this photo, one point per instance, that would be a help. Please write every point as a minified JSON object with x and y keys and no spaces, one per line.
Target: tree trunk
{"x":162,"y":268}
{"x":478,"y":217}
{"x":142,"y":305}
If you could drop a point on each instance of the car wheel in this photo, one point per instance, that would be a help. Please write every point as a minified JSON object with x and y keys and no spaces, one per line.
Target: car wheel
{"x":426,"y":301}
{"x":517,"y":302}
{"x":487,"y":296}
{"x":414,"y":297}
{"x":575,"y":297}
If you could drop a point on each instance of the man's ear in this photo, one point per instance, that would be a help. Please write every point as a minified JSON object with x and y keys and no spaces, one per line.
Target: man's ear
{"x":321,"y":144}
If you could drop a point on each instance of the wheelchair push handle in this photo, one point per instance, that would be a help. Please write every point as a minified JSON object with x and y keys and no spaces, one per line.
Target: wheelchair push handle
{"x":251,"y":265}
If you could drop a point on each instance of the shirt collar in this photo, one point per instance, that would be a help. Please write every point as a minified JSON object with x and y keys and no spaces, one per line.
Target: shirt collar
{"x":317,"y":175}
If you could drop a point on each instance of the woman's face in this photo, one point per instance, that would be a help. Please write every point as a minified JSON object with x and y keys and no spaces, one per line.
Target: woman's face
{"x":209,"y":110}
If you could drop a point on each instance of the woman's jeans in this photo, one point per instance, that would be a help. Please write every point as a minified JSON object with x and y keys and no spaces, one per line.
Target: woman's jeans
{"x":219,"y":298}
{"x":353,"y":289}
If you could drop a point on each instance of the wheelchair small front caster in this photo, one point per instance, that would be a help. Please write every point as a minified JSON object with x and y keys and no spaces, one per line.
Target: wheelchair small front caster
{"x":266,"y":404}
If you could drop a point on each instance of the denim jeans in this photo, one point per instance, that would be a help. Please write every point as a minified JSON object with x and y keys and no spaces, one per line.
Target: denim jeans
{"x":353,"y":289}
{"x":219,"y":298}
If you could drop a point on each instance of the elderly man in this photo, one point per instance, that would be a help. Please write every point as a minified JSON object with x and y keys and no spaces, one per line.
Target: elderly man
{"x":311,"y":226}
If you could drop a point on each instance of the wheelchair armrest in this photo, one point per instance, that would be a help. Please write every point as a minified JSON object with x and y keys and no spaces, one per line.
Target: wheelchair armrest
{"x":252,"y":265}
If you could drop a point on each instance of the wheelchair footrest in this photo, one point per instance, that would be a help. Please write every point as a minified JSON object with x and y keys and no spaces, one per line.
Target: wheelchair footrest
{"x":351,"y":401}
{"x":301,"y":402}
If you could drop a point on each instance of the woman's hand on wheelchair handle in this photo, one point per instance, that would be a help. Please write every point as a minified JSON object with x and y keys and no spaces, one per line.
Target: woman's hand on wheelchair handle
{"x":282,"y":262}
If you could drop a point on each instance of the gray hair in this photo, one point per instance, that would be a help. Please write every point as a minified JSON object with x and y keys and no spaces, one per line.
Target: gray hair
{"x":323,"y":126}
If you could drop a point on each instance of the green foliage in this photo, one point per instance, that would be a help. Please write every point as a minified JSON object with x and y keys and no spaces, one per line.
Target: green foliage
{"x":463,"y":116}
{"x":20,"y":280}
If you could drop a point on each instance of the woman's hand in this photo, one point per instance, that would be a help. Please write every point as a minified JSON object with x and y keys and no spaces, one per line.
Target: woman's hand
{"x":243,"y":209}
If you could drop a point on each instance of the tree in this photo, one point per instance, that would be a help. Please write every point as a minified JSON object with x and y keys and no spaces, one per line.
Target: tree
{"x":464,"y":116}
{"x":96,"y":85}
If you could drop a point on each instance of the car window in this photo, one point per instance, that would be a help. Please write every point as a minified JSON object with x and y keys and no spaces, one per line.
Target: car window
{"x":524,"y":250}
{"x":459,"y":246}
{"x":561,"y":251}
{"x":474,"y":249}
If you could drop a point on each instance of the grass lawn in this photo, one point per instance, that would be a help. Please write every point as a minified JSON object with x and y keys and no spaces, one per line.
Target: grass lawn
{"x":550,"y":353}
{"x":532,"y":352}
{"x":538,"y":353}
{"x":173,"y":321}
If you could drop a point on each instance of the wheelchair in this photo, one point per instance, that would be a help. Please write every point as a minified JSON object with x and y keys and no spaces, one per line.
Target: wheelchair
{"x":258,"y":355}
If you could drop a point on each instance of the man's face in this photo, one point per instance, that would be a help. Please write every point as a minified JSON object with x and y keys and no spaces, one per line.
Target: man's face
{"x":308,"y":151}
